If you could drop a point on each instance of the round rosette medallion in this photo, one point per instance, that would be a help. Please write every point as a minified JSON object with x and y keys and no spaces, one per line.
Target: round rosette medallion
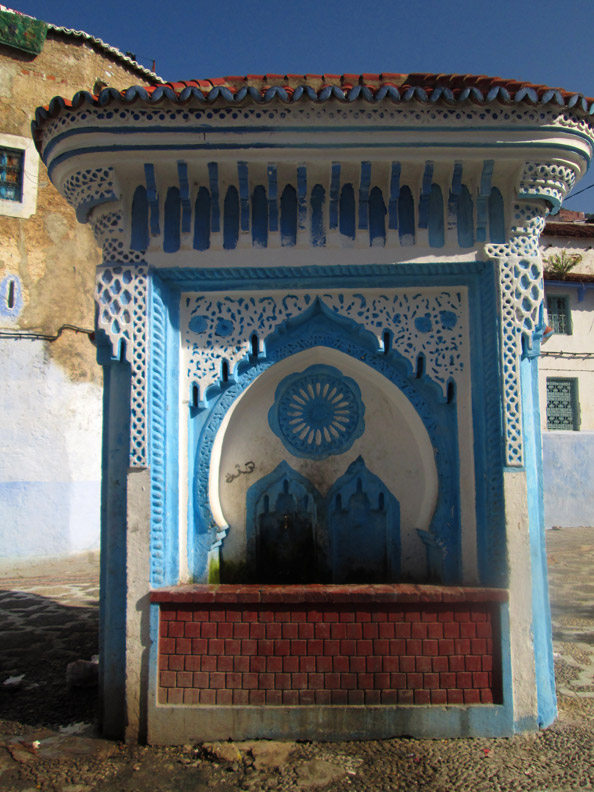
{"x":317,"y":412}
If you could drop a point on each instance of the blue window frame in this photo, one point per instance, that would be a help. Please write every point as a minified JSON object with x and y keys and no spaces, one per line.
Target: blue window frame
{"x":11,"y":174}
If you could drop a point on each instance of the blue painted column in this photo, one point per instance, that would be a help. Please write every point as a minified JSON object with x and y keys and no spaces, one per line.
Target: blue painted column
{"x":112,"y":603}
{"x":541,"y":612}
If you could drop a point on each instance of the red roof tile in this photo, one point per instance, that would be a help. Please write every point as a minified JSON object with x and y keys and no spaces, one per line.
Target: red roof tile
{"x":388,"y":86}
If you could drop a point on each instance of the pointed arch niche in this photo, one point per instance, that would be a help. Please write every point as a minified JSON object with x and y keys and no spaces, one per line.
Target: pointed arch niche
{"x":396,"y":474}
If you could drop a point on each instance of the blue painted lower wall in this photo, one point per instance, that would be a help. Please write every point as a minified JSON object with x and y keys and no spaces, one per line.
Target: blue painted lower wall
{"x":568,"y":461}
{"x":59,"y":517}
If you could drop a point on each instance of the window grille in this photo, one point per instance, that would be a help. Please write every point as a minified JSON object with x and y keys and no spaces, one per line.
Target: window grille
{"x":562,"y":404}
{"x":11,"y":174}
{"x":559,"y":314}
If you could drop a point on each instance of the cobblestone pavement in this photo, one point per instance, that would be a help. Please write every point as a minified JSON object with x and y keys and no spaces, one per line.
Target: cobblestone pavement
{"x":48,"y":617}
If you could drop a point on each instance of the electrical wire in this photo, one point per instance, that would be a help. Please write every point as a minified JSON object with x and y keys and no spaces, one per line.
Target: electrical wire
{"x":35,"y":336}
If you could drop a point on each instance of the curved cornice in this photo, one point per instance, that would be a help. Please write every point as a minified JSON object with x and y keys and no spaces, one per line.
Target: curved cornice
{"x":428,"y":89}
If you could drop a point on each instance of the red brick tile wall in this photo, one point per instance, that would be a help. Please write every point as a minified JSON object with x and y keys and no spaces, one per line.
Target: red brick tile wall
{"x":304,"y":653}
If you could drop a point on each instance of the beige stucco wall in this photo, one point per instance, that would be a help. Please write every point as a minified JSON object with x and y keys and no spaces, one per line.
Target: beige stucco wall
{"x":53,"y":256}
{"x":50,"y":391}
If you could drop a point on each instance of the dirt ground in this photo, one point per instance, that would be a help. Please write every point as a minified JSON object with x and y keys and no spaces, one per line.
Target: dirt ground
{"x":48,"y":737}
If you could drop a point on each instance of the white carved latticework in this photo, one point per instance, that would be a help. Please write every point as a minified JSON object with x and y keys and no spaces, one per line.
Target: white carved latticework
{"x":121,"y":295}
{"x":430,"y":323}
{"x":91,"y":187}
{"x":521,"y":286}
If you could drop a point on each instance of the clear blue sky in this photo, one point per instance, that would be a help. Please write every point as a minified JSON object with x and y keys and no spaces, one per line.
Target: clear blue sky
{"x":542,"y":41}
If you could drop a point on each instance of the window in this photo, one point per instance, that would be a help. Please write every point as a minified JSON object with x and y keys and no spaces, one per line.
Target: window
{"x":11,"y":174}
{"x":562,"y":404}
{"x":559,"y":314}
{"x":19,"y":166}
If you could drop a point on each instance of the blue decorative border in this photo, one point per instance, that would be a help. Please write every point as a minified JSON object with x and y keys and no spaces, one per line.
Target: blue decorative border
{"x":163,"y":432}
{"x":541,"y":612}
{"x":478,"y":277}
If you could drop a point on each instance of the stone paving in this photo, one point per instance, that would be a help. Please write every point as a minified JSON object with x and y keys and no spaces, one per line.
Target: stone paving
{"x":48,"y":616}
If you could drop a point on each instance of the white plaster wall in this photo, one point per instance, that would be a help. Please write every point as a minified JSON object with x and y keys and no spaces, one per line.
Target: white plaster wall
{"x":550,"y":245}
{"x":520,"y":595}
{"x":571,"y":355}
{"x":51,"y":455}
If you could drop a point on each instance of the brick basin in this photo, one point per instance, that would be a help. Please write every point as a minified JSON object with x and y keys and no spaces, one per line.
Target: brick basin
{"x":328,"y":645}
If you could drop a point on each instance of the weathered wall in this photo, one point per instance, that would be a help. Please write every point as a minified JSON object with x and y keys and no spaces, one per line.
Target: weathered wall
{"x":568,"y":461}
{"x":568,"y":456}
{"x":50,"y":391}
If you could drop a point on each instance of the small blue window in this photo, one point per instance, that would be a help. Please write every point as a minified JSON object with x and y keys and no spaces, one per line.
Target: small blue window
{"x":559,"y":314}
{"x":562,"y":404}
{"x":11,"y":174}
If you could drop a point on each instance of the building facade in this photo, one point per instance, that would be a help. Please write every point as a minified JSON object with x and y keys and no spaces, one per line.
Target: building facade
{"x":567,"y":371}
{"x":319,"y":315}
{"x":50,"y":384}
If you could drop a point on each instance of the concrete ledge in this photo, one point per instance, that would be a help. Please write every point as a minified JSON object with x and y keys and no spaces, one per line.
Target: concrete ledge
{"x":396,"y":592}
{"x":174,"y":725}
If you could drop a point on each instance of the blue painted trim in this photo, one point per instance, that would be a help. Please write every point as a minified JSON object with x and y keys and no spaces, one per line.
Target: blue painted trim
{"x":364,"y":183}
{"x":202,"y":220}
{"x":394,"y":195}
{"x":114,"y":502}
{"x":172,"y":221}
{"x":541,"y":614}
{"x":496,"y":217}
{"x":153,"y":665}
{"x":319,"y":277}
{"x":215,"y":210}
{"x":302,"y":194}
{"x":153,"y":198}
{"x":482,"y":201}
{"x":288,"y":221}
{"x":317,"y":201}
{"x":347,"y":211}
{"x":465,"y":219}
{"x":425,"y":193}
{"x":334,"y":193}
{"x":244,"y":194}
{"x":489,"y":432}
{"x":317,"y":146}
{"x":272,"y":198}
{"x":259,"y":217}
{"x":139,"y":220}
{"x":436,"y":222}
{"x":163,"y":431}
{"x":406,"y":217}
{"x":454,"y":194}
{"x":377,"y":218}
{"x":231,"y":219}
{"x":184,"y":190}
{"x":205,"y":129}
{"x":581,"y":287}
{"x":83,"y":210}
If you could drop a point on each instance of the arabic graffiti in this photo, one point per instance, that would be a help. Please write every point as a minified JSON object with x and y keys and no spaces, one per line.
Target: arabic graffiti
{"x":249,"y":468}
